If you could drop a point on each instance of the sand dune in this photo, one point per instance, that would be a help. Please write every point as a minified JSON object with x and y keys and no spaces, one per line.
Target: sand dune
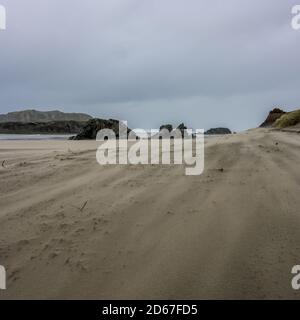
{"x":73,"y":229}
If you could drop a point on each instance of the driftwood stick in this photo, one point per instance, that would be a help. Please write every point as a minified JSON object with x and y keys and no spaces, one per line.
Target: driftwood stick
{"x":81,"y":209}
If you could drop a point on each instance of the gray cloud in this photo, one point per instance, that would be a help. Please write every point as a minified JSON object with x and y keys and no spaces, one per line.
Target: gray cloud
{"x":207,"y":63}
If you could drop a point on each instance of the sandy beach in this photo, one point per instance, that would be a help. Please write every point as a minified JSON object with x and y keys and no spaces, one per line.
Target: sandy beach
{"x":71,"y":228}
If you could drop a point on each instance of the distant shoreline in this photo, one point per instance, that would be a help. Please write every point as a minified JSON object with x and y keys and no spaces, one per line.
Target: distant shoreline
{"x":45,"y":136}
{"x":33,"y":136}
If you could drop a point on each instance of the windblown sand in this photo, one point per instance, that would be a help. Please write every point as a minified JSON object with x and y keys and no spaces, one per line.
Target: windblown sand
{"x":71,"y":228}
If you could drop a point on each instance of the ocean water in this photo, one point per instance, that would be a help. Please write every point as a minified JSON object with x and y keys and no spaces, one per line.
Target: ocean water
{"x":35,"y":136}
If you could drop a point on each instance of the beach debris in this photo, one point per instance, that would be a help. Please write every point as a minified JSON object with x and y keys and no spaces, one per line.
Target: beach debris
{"x":3,"y":163}
{"x":221,"y":169}
{"x":82,"y":208}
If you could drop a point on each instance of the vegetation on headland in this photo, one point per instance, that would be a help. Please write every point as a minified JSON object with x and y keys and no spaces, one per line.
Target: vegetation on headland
{"x":288,"y":119}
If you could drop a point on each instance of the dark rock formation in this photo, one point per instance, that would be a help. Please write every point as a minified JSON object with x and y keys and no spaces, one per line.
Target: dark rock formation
{"x":182,"y":128}
{"x":218,"y":131}
{"x":169,"y":127}
{"x":172,"y":133}
{"x":54,"y":127}
{"x":41,"y":116}
{"x":91,"y":128}
{"x":272,"y":117}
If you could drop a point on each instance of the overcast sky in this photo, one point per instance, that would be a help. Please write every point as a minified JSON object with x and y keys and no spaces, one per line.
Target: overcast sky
{"x":205,"y":63}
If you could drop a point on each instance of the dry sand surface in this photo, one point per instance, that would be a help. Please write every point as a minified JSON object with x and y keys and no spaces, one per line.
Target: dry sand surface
{"x":73,"y":229}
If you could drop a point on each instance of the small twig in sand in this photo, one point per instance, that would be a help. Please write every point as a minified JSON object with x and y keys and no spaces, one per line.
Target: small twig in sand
{"x":3,"y":163}
{"x":81,"y":209}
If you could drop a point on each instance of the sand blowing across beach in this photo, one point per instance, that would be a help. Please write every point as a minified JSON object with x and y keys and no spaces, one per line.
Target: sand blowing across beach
{"x":71,"y":228}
